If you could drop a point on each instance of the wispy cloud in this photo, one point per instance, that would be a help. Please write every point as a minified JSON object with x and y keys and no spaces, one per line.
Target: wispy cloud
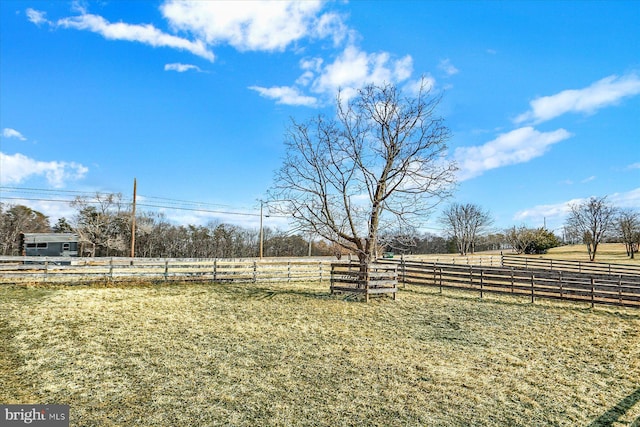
{"x":629,"y":199}
{"x":285,"y":95}
{"x":446,"y":66}
{"x":603,"y":93}
{"x":634,"y":166}
{"x":12,"y":133}
{"x":16,"y":168}
{"x":518,"y":146}
{"x":181,"y":68}
{"x":552,"y":211}
{"x":146,"y":33}
{"x":556,"y":213}
{"x":37,"y":17}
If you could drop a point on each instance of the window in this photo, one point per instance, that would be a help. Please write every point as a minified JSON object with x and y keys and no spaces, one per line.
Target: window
{"x":31,"y":245}
{"x":41,"y":246}
{"x":66,"y":247}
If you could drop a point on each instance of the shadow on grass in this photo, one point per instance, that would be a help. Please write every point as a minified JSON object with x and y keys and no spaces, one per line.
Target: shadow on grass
{"x":614,"y":414}
{"x":260,"y":292}
{"x":514,"y":300}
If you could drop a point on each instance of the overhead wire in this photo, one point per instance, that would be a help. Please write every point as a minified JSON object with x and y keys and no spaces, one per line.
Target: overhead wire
{"x":175,"y":204}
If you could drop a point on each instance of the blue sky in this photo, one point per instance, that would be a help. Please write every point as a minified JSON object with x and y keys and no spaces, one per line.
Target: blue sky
{"x":193,"y":98}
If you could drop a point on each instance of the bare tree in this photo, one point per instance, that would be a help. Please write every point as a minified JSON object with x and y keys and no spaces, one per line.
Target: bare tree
{"x":592,"y":219}
{"x":629,"y":228}
{"x":465,"y":223}
{"x":103,"y":220}
{"x":378,"y":164}
{"x":16,"y":219}
{"x":520,"y":238}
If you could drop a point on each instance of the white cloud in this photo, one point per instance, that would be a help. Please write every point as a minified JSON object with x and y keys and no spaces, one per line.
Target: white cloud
{"x":446,"y":66}
{"x":146,"y":34}
{"x":285,"y":95}
{"x":15,"y":168}
{"x":629,"y":199}
{"x":253,"y":25}
{"x":12,"y":133}
{"x":603,"y":93}
{"x":37,"y":17}
{"x":555,"y":214}
{"x":426,"y":82}
{"x":354,"y":68}
{"x":259,"y":25}
{"x":181,"y":68}
{"x":517,"y":146}
{"x":634,"y":166}
{"x":351,"y":70}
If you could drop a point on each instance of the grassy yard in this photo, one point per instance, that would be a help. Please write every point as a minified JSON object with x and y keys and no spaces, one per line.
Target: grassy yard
{"x":612,"y":253}
{"x":245,"y":355}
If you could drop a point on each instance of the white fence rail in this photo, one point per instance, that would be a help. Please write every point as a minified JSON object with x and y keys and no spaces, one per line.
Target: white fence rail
{"x":81,"y":270}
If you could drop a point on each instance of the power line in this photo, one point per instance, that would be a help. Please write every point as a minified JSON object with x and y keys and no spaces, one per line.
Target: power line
{"x":158,"y":206}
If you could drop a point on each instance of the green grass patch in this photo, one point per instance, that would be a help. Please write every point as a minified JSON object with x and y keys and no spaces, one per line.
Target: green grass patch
{"x":291,"y":354}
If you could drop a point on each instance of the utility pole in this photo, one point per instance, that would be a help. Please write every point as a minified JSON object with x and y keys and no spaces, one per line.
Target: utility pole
{"x":133,"y":222}
{"x":261,"y":232}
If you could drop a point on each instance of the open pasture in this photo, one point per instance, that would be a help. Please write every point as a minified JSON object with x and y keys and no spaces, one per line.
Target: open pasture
{"x":291,"y":354}
{"x":613,"y":253}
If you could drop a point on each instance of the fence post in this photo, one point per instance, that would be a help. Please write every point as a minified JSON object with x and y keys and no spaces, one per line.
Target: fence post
{"x":320,"y":270}
{"x":592,"y":292}
{"x":434,"y":276}
{"x":533,"y":295}
{"x":166,"y":270}
{"x":560,"y":282}
{"x":288,"y":271}
{"x":471,"y":276}
{"x":620,"y":289}
{"x":46,"y":270}
{"x":481,"y":283}
{"x":512,"y":279}
{"x":111,"y":268}
{"x":215,"y":269}
{"x":255,"y":271}
{"x":404,"y":271}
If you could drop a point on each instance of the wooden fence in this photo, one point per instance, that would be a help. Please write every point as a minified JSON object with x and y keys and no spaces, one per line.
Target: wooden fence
{"x":573,"y":266}
{"x":379,"y":279}
{"x":532,"y":277}
{"x":83,"y":270}
{"x":623,"y":290}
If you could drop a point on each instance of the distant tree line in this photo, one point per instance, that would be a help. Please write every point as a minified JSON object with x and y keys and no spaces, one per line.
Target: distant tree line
{"x":104,"y":226}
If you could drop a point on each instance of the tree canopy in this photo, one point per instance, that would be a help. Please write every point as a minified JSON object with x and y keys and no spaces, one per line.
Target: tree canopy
{"x":379,"y":163}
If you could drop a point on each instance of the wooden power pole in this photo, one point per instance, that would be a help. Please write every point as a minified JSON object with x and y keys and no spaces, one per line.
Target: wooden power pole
{"x":133,"y":222}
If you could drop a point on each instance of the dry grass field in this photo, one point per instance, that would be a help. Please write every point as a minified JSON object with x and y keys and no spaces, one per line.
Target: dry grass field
{"x":277,"y":355}
{"x":612,"y":253}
